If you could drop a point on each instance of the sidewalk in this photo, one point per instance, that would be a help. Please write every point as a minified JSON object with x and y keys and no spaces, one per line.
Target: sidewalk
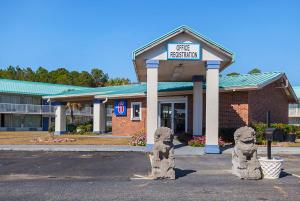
{"x":179,"y":150}
{"x":72,"y":148}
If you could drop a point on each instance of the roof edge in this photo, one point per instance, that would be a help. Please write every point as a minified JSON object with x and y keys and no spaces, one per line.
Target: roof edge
{"x":178,"y":29}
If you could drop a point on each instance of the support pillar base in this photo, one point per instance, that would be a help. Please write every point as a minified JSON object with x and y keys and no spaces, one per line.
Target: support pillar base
{"x":149,"y":147}
{"x":212,"y":149}
{"x":59,"y":132}
{"x":99,"y":132}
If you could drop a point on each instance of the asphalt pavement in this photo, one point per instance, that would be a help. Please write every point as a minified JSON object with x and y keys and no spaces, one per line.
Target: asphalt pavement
{"x":112,"y":176}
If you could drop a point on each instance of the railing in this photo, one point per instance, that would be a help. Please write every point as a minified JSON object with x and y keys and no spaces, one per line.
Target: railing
{"x":40,"y":109}
{"x":86,"y":111}
{"x":26,"y":108}
{"x":294,"y":112}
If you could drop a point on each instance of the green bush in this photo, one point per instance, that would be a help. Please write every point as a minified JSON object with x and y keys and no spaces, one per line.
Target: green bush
{"x":184,"y":137}
{"x":286,"y":128}
{"x":51,"y":128}
{"x":227,"y":134}
{"x":259,"y":129}
{"x":85,"y":128}
{"x":71,"y":128}
{"x":298,"y":134}
{"x":108,"y":129}
{"x":89,"y":127}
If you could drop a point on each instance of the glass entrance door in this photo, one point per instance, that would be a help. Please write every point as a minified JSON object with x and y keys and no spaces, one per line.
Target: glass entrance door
{"x":179,"y":118}
{"x":166,"y":115}
{"x":173,"y":115}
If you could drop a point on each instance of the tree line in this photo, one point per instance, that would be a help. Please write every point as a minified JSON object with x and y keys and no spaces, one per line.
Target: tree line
{"x":95,"y":78}
{"x":251,"y":72}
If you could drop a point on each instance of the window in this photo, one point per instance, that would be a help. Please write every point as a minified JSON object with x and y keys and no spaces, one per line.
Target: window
{"x":136,"y":113}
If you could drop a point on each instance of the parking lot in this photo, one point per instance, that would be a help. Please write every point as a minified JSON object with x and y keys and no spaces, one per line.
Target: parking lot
{"x":111,"y":176}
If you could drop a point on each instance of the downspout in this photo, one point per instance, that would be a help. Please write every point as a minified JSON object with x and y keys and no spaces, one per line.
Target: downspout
{"x":105,"y":100}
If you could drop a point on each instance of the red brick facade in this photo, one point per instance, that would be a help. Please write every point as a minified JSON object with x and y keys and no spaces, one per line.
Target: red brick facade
{"x":270,"y":98}
{"x":123,"y":125}
{"x":236,"y":109}
{"x":233,"y":109}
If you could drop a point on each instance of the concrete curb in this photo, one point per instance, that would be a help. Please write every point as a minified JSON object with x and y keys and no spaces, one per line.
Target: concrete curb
{"x":182,"y":151}
{"x":83,"y":148}
{"x":275,"y":150}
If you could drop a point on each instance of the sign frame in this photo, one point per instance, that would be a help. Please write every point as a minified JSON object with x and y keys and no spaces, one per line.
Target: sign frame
{"x":180,"y":43}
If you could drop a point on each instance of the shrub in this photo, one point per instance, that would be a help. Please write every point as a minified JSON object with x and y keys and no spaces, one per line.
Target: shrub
{"x":85,"y":128}
{"x":138,"y":139}
{"x":298,"y":134}
{"x":184,"y":137}
{"x":199,"y":141}
{"x":89,"y":127}
{"x":293,"y":129}
{"x":227,"y":134}
{"x":259,"y":129}
{"x":71,"y":128}
{"x":51,"y":128}
{"x":283,"y":127}
{"x":108,"y":128}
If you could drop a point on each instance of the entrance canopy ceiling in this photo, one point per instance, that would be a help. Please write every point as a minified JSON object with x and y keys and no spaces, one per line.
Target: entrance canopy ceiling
{"x":183,"y":68}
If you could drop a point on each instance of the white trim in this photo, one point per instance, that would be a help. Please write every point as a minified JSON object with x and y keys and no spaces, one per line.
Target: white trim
{"x":140,"y":113}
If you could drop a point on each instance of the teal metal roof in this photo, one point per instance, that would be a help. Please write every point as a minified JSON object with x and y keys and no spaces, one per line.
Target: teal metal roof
{"x":34,"y":88}
{"x":248,"y":80}
{"x":175,"y":31}
{"x":297,"y":91}
{"x":236,"y":82}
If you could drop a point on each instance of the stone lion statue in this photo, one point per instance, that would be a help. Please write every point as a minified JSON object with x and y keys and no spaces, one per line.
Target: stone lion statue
{"x":244,"y":155}
{"x":163,"y":162}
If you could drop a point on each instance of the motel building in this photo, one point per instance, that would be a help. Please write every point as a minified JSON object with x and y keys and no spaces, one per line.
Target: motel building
{"x":294,"y":109}
{"x":179,"y":87}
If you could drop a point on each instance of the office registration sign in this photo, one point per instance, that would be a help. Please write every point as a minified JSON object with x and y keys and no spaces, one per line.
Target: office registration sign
{"x":183,"y":51}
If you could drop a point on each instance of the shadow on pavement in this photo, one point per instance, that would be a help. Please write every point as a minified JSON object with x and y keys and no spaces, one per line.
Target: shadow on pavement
{"x":176,"y":146}
{"x":227,"y":147}
{"x":181,"y":173}
{"x":284,"y":174}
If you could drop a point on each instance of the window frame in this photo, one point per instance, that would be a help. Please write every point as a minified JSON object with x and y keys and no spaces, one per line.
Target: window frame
{"x":132,"y":112}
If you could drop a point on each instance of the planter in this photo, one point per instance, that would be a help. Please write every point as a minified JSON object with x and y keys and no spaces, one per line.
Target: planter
{"x":271,"y":168}
{"x":290,"y":138}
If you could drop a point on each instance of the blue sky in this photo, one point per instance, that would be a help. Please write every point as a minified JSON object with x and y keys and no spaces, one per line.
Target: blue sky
{"x":80,"y":35}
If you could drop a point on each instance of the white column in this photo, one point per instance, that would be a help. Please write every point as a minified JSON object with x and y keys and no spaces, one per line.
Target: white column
{"x":99,"y":117}
{"x":212,"y":107}
{"x":152,"y":108}
{"x":197,"y":105}
{"x":60,"y":118}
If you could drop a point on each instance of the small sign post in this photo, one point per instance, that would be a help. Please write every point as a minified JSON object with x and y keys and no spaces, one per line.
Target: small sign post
{"x":269,"y":133}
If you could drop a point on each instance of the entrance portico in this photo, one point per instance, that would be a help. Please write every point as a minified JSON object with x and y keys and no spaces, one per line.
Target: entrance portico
{"x":184,"y":55}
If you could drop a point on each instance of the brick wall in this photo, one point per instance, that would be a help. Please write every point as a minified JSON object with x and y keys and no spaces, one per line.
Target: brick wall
{"x":268,"y":98}
{"x":236,"y":109}
{"x":233,"y":109}
{"x":123,"y":125}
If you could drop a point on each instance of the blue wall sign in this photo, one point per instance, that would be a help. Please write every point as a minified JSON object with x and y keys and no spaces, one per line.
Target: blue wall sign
{"x":120,"y":107}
